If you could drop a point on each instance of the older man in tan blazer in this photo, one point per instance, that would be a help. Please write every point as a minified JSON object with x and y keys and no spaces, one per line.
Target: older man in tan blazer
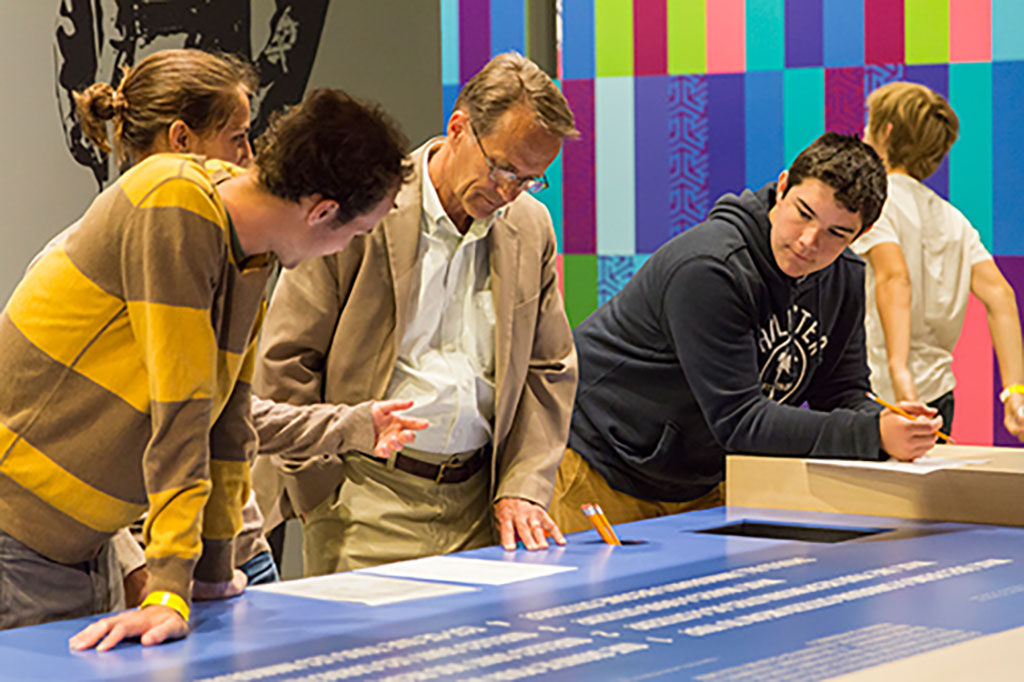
{"x":452,"y":302}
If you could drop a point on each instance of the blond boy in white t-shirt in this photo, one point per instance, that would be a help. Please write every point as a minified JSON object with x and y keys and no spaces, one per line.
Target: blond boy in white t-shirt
{"x":924,"y":259}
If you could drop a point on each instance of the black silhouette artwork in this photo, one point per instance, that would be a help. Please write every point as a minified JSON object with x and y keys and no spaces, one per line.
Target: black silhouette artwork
{"x":95,"y":38}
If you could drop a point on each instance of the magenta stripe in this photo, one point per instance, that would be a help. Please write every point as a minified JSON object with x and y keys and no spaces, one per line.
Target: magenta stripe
{"x":579,"y":218}
{"x":474,"y":36}
{"x":844,"y":100}
{"x":883,"y":32}
{"x":650,"y":39}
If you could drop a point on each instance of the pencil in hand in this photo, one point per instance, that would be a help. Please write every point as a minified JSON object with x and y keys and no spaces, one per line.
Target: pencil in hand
{"x":601,"y":524}
{"x":903,"y":413}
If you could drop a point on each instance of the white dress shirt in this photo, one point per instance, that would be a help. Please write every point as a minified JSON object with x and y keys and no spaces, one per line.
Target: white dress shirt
{"x":446,"y":356}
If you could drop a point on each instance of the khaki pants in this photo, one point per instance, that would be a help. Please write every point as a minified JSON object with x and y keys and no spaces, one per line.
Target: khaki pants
{"x":379,"y":514}
{"x":577,"y":483}
{"x":34,"y":589}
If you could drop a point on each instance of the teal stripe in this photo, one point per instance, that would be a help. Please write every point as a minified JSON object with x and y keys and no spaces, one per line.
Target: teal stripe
{"x":450,"y":42}
{"x":614,"y":175}
{"x":552,"y":196}
{"x":766,"y":35}
{"x":970,"y":160}
{"x":1007,"y":26}
{"x":803,"y":96}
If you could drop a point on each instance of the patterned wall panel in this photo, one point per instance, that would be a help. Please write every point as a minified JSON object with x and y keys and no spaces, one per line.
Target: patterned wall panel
{"x":680,"y":101}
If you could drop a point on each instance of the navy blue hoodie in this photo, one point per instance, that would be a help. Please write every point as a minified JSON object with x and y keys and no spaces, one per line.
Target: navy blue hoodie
{"x":711,"y":348}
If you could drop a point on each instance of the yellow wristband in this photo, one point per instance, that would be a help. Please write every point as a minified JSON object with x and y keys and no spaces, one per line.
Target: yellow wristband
{"x":1012,"y":388}
{"x":168,"y":599}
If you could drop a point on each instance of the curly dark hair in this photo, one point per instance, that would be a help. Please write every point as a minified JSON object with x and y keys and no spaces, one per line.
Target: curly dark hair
{"x":333,"y":145}
{"x":848,"y":166}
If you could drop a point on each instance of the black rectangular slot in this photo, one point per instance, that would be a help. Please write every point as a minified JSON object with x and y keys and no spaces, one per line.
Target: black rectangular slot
{"x":782,"y":531}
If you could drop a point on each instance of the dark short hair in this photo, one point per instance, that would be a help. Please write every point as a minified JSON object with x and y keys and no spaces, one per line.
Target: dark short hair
{"x":848,"y":166}
{"x":336,"y":146}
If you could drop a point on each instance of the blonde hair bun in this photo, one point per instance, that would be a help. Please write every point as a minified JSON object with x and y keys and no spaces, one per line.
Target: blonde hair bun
{"x":96,"y":105}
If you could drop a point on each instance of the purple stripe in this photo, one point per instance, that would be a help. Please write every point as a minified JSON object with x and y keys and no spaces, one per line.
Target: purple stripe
{"x":579,"y":218}
{"x":804,"y":33}
{"x":726,"y":126}
{"x":1012,"y":268}
{"x":653,"y":223}
{"x":474,"y":36}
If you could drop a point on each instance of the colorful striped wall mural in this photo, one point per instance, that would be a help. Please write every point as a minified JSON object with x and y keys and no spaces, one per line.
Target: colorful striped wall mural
{"x":680,"y":101}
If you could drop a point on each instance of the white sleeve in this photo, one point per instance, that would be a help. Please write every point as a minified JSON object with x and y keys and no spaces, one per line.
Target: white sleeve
{"x":880,"y":233}
{"x":129,"y":554}
{"x":975,"y":250}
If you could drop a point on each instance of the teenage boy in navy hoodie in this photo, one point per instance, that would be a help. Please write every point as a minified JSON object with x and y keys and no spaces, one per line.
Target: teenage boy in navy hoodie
{"x":720,"y":338}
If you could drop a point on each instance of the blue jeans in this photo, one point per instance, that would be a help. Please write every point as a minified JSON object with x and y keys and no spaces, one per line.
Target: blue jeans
{"x":35,"y":589}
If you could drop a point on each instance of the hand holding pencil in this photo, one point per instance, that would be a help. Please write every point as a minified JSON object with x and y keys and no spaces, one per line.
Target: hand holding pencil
{"x":907,"y":430}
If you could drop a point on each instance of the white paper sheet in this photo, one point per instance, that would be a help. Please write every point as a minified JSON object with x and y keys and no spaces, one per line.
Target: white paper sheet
{"x":920,"y":466}
{"x":360,"y":587}
{"x":462,"y":570}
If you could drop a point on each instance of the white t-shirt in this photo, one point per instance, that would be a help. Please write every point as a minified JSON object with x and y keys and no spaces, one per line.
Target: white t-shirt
{"x":940,"y":247}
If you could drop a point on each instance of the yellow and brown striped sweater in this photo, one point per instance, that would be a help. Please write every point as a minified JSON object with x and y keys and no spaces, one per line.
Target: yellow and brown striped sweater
{"x":126,"y":354}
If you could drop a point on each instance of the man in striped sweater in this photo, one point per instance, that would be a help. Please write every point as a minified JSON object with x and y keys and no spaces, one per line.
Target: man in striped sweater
{"x":127,"y":354}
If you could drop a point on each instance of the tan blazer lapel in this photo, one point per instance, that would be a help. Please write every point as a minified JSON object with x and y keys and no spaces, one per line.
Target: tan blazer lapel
{"x":503,"y":243}
{"x":401,"y":239}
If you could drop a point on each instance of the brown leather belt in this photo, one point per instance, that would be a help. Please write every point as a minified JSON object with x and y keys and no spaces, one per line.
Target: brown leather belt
{"x":444,"y":473}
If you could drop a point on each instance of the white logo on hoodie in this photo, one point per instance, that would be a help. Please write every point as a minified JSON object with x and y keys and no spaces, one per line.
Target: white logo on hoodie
{"x":784,"y":351}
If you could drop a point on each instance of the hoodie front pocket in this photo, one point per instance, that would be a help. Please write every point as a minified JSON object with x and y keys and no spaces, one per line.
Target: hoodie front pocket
{"x":665,"y":453}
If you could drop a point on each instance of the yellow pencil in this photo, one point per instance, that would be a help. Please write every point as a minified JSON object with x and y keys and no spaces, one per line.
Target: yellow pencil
{"x":601,"y":525}
{"x":904,"y":413}
{"x":607,"y":525}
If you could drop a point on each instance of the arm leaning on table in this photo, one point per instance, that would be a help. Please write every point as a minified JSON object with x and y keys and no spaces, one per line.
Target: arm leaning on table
{"x":195,"y":492}
{"x":533,"y":447}
{"x":719,"y":359}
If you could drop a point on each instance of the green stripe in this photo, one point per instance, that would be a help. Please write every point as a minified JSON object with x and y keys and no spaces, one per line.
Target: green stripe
{"x":687,"y":44}
{"x":580,"y":286}
{"x":926,"y":31}
{"x":613,"y":37}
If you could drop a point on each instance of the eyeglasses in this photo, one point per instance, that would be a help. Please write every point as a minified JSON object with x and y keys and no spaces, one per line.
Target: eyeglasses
{"x":506,"y":178}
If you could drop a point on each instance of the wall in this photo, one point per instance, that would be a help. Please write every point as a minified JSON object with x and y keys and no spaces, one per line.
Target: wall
{"x":386,"y":50}
{"x":681,"y":101}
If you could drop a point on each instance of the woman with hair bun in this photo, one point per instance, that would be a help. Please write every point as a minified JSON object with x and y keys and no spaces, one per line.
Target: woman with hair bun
{"x":173,"y":101}
{"x":180,"y":101}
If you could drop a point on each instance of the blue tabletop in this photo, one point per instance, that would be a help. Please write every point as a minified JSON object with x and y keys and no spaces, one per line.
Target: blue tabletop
{"x":778,"y":593}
